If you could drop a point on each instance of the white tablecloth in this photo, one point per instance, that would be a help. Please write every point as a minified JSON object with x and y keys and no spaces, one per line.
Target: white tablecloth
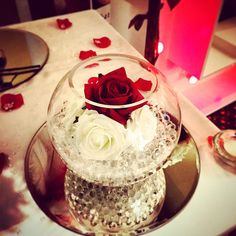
{"x":212,"y":209}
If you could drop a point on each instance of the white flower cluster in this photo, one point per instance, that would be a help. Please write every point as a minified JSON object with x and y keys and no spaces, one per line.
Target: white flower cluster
{"x":141,"y":127}
{"x":99,"y":137}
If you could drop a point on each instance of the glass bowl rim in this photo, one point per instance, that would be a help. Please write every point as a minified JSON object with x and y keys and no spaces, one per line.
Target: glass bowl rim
{"x":71,"y":73}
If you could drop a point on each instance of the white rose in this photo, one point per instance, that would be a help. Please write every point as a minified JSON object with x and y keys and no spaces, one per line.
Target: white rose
{"x":73,"y":110}
{"x":98,"y":137}
{"x":141,"y":126}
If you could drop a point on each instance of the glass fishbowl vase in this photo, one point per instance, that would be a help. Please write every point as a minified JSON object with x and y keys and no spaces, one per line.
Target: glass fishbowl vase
{"x":114,"y":122}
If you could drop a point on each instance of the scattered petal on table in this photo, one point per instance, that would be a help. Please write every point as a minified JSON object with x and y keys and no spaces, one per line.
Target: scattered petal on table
{"x":11,"y":101}
{"x":86,"y":54}
{"x":102,"y":42}
{"x":64,"y":23}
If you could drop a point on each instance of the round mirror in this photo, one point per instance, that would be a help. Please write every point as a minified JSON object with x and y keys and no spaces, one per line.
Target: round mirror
{"x":22,"y":55}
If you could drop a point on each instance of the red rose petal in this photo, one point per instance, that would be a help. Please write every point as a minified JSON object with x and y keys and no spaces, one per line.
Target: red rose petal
{"x":11,"y":101}
{"x":105,"y":59}
{"x":102,"y":42}
{"x":117,"y":117}
{"x":86,"y":54}
{"x":92,"y":65}
{"x":210,"y":140}
{"x":64,"y":23}
{"x":143,"y":85}
{"x":93,"y":80}
{"x":116,"y":88}
{"x":117,"y":74}
{"x":90,"y":92}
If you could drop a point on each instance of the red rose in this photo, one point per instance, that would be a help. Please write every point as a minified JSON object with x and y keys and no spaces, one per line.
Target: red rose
{"x":114,"y":88}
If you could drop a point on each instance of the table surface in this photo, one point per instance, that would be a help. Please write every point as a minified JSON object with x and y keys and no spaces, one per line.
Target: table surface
{"x":211,"y":210}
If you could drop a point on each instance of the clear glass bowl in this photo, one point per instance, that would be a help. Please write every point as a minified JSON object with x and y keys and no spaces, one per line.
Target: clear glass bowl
{"x":97,"y":147}
{"x":114,"y":122}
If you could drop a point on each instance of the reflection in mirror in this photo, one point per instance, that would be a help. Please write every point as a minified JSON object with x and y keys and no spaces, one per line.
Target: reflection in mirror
{"x":22,"y":55}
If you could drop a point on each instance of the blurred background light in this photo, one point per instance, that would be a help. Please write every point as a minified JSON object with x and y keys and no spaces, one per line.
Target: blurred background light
{"x":192,"y":79}
{"x":160,"y":47}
